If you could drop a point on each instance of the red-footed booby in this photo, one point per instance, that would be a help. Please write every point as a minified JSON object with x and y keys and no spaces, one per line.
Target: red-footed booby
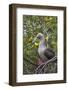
{"x":44,"y":52}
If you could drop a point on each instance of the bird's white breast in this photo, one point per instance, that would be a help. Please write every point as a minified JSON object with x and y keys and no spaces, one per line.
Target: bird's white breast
{"x":41,"y":50}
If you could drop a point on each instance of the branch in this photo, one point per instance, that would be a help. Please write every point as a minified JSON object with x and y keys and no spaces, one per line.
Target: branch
{"x":44,"y":64}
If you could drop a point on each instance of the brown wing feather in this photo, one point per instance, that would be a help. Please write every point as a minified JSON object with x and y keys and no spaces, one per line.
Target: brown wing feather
{"x":49,"y":53}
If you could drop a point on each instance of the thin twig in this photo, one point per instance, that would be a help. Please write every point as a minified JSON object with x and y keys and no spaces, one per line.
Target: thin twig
{"x":52,"y":60}
{"x":44,"y":64}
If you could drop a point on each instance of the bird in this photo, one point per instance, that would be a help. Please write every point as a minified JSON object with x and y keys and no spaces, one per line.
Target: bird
{"x":44,"y":52}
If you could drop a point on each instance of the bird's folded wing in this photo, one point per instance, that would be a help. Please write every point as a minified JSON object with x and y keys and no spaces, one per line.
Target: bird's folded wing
{"x":49,"y":53}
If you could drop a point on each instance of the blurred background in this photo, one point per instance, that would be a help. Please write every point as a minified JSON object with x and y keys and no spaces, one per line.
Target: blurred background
{"x":32,"y":25}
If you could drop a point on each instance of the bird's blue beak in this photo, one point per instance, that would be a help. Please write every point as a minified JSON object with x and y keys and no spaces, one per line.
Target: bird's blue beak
{"x":34,"y":40}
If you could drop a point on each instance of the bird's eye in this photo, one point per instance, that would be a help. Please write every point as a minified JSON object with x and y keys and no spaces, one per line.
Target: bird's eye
{"x":39,"y":37}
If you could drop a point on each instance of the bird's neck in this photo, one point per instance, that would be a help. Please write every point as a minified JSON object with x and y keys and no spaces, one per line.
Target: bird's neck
{"x":42,"y":43}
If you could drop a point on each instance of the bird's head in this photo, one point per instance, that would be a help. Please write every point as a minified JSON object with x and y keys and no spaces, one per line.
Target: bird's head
{"x":39,"y":36}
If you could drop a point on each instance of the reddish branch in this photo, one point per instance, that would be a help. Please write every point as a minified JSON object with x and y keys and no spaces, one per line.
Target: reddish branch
{"x":43,"y":65}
